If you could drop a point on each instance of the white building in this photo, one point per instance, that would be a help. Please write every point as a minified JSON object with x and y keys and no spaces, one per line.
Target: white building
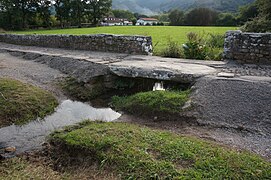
{"x":146,"y":21}
{"x":112,"y":21}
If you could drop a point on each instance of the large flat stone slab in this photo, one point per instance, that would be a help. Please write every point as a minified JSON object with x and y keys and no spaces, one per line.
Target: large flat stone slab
{"x":178,"y":72}
{"x":84,"y":65}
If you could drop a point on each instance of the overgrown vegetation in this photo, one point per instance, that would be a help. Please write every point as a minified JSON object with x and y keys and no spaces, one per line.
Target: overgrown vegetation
{"x":195,"y":48}
{"x":21,"y":103}
{"x":198,"y":46}
{"x":81,"y":90}
{"x":262,"y":22}
{"x":173,"y":49}
{"x":136,"y":152}
{"x":152,"y":102}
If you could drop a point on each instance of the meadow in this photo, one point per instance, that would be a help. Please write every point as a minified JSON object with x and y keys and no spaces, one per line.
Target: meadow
{"x":160,"y":34}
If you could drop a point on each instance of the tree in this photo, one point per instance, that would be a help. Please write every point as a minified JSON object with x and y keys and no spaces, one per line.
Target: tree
{"x":176,"y":17}
{"x":247,"y":13}
{"x":123,"y":14}
{"x":201,"y":17}
{"x":97,"y":9}
{"x":77,"y":9}
{"x":18,"y":13}
{"x":226,"y":19}
{"x":43,"y":9}
{"x":164,"y":17}
{"x":261,"y":23}
{"x":63,"y":11}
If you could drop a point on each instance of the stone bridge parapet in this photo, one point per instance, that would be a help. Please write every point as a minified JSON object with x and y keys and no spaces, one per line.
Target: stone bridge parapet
{"x":248,"y":48}
{"x":141,"y":45}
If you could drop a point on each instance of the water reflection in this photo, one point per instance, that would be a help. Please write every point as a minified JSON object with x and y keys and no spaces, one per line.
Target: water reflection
{"x":32,"y":135}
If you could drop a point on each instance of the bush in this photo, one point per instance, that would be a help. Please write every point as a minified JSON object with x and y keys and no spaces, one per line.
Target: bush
{"x":257,"y":25}
{"x":173,"y":50}
{"x":204,"y":47}
{"x":215,"y":46}
{"x":214,"y":54}
{"x":195,"y":48}
{"x":215,"y":41}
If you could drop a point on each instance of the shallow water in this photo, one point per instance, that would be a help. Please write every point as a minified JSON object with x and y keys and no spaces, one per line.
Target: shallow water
{"x":31,"y":136}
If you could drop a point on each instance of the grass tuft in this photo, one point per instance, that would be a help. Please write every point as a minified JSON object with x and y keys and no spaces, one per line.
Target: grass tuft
{"x":152,"y":102}
{"x":136,"y":152}
{"x":21,"y":103}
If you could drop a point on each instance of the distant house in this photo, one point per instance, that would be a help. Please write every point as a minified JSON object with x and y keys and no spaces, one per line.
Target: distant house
{"x":112,"y":21}
{"x":146,"y":21}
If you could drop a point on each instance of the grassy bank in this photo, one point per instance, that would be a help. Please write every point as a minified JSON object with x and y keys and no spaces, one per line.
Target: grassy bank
{"x":136,"y":152}
{"x":152,"y":102}
{"x":21,"y":103}
{"x":160,"y":34}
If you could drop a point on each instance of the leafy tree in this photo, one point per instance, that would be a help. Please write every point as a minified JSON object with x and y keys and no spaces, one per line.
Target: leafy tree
{"x":63,"y":11}
{"x":97,"y":9}
{"x":226,"y":19}
{"x":77,"y":9}
{"x":17,"y":13}
{"x":261,"y":23}
{"x":247,"y":13}
{"x":138,"y":16}
{"x":176,"y":17}
{"x":201,"y":17}
{"x":123,"y":14}
{"x":43,"y":9}
{"x":164,"y":17}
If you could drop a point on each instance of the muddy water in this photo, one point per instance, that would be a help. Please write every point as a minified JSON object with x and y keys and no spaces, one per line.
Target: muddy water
{"x":31,"y":136}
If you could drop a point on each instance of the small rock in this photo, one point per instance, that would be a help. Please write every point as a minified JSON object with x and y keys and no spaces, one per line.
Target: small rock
{"x":10,"y":149}
{"x":226,"y":75}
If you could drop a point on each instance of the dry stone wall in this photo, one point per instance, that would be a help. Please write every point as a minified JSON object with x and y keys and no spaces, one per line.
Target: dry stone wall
{"x":248,"y":48}
{"x":102,"y":42}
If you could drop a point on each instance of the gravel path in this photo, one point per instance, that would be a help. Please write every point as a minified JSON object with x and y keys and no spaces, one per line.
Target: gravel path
{"x":31,"y":72}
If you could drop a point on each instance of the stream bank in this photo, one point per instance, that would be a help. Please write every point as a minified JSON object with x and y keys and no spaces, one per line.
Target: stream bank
{"x":45,"y":77}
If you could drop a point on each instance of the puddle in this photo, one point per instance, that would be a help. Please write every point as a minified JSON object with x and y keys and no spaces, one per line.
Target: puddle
{"x":31,"y":136}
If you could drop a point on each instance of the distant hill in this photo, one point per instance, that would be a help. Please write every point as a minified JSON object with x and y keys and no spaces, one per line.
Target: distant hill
{"x":150,"y":7}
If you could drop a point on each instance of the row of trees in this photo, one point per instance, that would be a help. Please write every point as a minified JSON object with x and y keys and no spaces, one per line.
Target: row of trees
{"x":255,"y":17}
{"x":22,"y":14}
{"x":208,"y":17}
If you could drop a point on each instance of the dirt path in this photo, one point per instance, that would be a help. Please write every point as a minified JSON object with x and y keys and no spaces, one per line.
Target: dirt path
{"x":31,"y":72}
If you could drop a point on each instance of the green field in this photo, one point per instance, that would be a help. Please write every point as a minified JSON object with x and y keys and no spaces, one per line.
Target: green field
{"x":160,"y":34}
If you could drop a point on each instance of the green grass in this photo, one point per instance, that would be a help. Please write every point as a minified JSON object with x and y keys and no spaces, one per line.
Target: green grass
{"x":136,"y":152}
{"x":152,"y":102}
{"x":160,"y":34}
{"x":21,"y":103}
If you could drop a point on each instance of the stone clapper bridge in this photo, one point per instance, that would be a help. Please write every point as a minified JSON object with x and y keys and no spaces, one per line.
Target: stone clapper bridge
{"x":224,"y":93}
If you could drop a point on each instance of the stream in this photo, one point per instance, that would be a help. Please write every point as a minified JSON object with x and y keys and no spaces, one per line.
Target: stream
{"x":32,"y":135}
